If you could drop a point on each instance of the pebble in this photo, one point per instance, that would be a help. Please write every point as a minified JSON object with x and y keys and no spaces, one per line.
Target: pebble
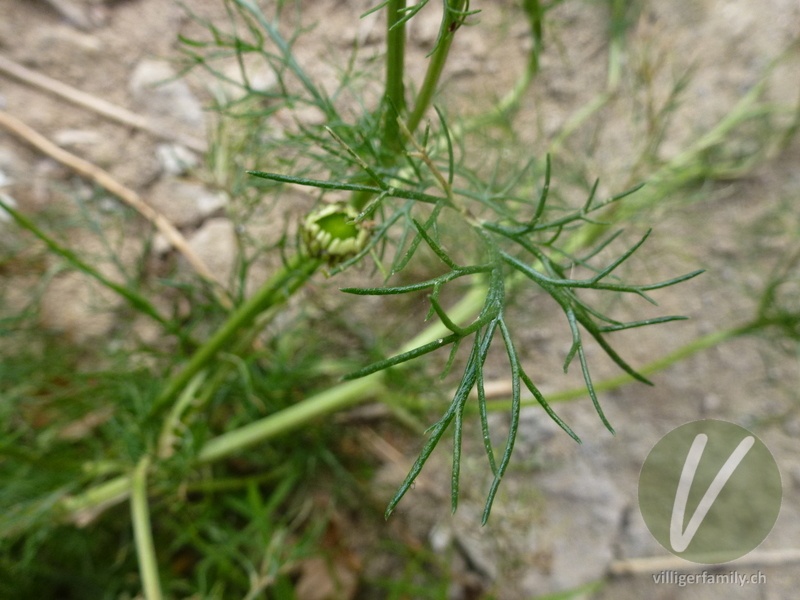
{"x":584,"y":513}
{"x":155,"y":90}
{"x":73,"y":307}
{"x":5,"y":180}
{"x":215,"y":243}
{"x":10,"y":165}
{"x":175,"y":159}
{"x":185,"y":203}
{"x":259,"y":79}
{"x":441,"y":537}
{"x":8,"y":200}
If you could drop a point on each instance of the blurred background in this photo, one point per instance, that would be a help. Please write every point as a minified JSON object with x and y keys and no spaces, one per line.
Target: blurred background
{"x":112,"y":105}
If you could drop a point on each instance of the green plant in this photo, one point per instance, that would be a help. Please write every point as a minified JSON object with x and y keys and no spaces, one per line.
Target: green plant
{"x":512,"y":232}
{"x":229,"y":388}
{"x":531,"y":239}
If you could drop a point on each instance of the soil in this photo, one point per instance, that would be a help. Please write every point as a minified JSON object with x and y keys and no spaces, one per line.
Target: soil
{"x":566,"y":514}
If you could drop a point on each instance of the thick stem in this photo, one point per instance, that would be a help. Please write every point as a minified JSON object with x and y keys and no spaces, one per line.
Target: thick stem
{"x":145,"y":550}
{"x":394,"y":97}
{"x":330,"y":400}
{"x":351,"y":392}
{"x":449,"y":25}
{"x":280,"y":287}
{"x":82,"y":508}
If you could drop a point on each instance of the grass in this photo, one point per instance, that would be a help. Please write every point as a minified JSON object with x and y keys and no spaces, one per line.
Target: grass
{"x":222,"y":434}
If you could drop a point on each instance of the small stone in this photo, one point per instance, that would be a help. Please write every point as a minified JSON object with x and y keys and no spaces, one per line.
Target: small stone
{"x":77,"y":308}
{"x":175,"y":159}
{"x":215,"y":244}
{"x":441,"y":536}
{"x":711,"y":403}
{"x":154,"y":87}
{"x":586,"y":508}
{"x":478,"y":549}
{"x":211,"y":202}
{"x":161,"y":245}
{"x":9,"y":201}
{"x":260,"y":79}
{"x":184,"y":203}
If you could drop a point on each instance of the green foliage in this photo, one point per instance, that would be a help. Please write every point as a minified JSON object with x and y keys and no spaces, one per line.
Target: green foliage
{"x":513,"y":234}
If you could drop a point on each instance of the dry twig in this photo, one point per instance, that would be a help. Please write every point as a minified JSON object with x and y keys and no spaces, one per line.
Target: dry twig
{"x":111,"y":111}
{"x":103,"y":179}
{"x":653,"y":564}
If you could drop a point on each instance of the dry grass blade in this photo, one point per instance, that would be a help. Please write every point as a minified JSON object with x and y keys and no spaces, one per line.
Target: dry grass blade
{"x":103,"y":179}
{"x":653,"y":564}
{"x":98,"y":105}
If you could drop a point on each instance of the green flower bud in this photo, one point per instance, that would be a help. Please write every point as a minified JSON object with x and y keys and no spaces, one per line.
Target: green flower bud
{"x":329,"y":233}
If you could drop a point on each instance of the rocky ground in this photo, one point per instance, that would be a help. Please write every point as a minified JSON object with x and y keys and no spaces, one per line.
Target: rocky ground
{"x":567,"y":515}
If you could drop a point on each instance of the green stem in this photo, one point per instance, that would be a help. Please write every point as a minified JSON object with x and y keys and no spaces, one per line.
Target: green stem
{"x":351,"y":392}
{"x":140,"y":514}
{"x":280,"y":287}
{"x":395,"y":90}
{"x":172,"y":422}
{"x":510,"y":102}
{"x":617,"y":29}
{"x":226,"y":484}
{"x":333,"y":399}
{"x":436,"y":65}
{"x":242,"y":346}
{"x":106,"y":494}
{"x":138,"y":302}
{"x":330,"y":400}
{"x":693,"y":347}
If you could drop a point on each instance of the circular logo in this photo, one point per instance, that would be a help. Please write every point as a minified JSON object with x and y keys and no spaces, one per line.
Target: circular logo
{"x":710,"y":491}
